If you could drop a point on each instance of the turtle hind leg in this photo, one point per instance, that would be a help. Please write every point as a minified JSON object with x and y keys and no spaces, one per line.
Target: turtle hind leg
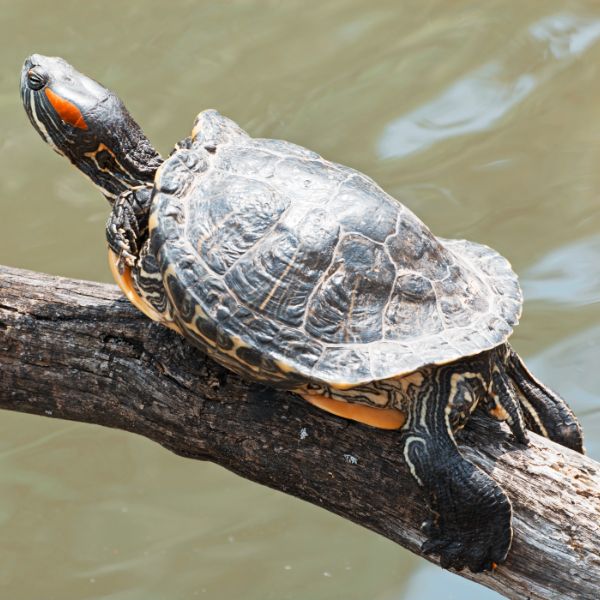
{"x":503,"y":404}
{"x":471,"y":514}
{"x":545,"y":412}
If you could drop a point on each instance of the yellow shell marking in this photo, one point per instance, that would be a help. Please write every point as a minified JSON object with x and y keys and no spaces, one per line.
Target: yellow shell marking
{"x":125,"y":282}
{"x":415,"y":379}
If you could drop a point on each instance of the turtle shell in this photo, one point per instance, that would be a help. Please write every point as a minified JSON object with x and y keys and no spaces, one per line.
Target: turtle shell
{"x":289,"y":268}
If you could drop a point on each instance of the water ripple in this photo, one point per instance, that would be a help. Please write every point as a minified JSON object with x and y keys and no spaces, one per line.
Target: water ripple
{"x":567,"y":275}
{"x":481,"y":98}
{"x":471,"y":104}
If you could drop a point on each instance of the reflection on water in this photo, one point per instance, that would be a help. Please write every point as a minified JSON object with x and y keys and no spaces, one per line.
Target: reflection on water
{"x":487,"y":118}
{"x":567,"y":275}
{"x":481,"y":98}
{"x":471,"y":104}
{"x":567,"y":34}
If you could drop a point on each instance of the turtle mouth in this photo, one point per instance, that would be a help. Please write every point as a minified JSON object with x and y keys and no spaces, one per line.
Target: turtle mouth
{"x":27,"y":66}
{"x":30,"y":62}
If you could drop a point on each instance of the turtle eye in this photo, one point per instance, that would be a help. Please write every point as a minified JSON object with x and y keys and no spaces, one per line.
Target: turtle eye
{"x":36,"y":79}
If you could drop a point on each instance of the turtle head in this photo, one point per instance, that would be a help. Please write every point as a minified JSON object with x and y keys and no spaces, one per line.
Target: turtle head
{"x":87,"y":123}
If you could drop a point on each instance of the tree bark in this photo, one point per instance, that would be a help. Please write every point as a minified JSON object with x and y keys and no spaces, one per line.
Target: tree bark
{"x":77,"y":350}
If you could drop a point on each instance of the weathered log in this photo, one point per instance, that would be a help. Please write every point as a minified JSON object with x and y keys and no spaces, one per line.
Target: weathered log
{"x":77,"y":350}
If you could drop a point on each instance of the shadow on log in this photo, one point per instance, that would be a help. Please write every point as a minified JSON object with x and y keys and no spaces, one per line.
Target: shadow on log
{"x":77,"y":350}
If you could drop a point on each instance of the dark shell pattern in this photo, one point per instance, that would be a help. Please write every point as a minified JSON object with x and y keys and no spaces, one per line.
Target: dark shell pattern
{"x":289,"y":268}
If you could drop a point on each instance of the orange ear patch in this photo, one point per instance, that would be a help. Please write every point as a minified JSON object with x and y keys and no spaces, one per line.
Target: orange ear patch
{"x":66,"y":110}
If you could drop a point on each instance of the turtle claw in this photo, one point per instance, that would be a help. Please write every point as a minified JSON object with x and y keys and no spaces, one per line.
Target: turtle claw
{"x":433,"y":546}
{"x":121,"y":246}
{"x":476,"y":549}
{"x":455,"y":555}
{"x":470,"y":527}
{"x":429,"y":528}
{"x":125,"y":260}
{"x":450,"y":551}
{"x":123,"y":230}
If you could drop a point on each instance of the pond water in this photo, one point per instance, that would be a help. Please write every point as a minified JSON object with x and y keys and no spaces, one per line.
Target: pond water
{"x":483,"y":118}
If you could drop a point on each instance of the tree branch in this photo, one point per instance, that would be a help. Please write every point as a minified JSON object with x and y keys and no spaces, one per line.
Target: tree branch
{"x":77,"y":350}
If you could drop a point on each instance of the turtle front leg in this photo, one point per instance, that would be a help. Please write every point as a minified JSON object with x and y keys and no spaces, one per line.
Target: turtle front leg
{"x":127,"y":226}
{"x":471,"y":515}
{"x":133,"y":265}
{"x":545,"y":412}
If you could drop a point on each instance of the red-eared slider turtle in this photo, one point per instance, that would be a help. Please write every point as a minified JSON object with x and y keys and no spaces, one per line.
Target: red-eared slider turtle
{"x":302,"y":273}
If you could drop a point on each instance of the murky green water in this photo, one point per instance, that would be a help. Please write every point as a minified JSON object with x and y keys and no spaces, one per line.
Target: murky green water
{"x":484,"y":119}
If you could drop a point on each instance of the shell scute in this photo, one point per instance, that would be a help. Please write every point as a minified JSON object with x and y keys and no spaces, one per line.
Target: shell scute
{"x":313,"y":182}
{"x":275,"y":277}
{"x":415,"y":248}
{"x":333,"y":359}
{"x":294,"y":345}
{"x":181,"y":174}
{"x":348,"y":304}
{"x":286,"y":149}
{"x":213,"y":129}
{"x":227,"y":222}
{"x":412,"y":308}
{"x":248,"y":159}
{"x":354,"y":199}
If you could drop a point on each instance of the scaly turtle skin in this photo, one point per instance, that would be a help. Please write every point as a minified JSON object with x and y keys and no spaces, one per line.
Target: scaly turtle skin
{"x":302,"y":273}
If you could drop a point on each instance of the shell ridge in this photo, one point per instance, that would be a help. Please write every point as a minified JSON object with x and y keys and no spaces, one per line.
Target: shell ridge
{"x":322,"y":280}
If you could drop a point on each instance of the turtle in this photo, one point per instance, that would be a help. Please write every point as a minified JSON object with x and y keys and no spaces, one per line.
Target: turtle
{"x":304,"y":275}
